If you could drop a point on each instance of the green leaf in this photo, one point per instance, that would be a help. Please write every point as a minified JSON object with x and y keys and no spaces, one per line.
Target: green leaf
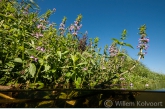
{"x":121,"y":54}
{"x":79,"y":80}
{"x":74,"y":58}
{"x":32,"y":2}
{"x":44,"y":103}
{"x":59,"y":54}
{"x":100,"y":102}
{"x":46,"y":56}
{"x":82,"y":63}
{"x":32,"y":69}
{"x":32,"y":44}
{"x":19,"y":60}
{"x":90,"y":72}
{"x":30,"y":52}
{"x":63,"y":95}
{"x":65,"y":52}
{"x":115,"y":40}
{"x":92,"y":61}
{"x":41,"y":85}
{"x":47,"y":67}
{"x":124,"y":34}
{"x":41,"y":61}
{"x":129,"y":45}
{"x":77,"y":84}
{"x":68,"y":74}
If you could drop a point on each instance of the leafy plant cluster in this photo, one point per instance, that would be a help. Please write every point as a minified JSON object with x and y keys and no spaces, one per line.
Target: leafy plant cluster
{"x":34,"y":52}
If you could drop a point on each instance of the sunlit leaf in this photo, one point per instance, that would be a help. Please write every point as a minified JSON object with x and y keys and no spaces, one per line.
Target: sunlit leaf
{"x":59,"y":54}
{"x":47,"y":67}
{"x":63,"y":96}
{"x":65,"y":52}
{"x":19,"y":60}
{"x":92,"y":61}
{"x":79,"y":80}
{"x":41,"y":85}
{"x":72,"y":102}
{"x":30,"y":52}
{"x":41,"y":61}
{"x":115,"y":40}
{"x":82,"y":63}
{"x":128,"y":45}
{"x":100,"y":102}
{"x":40,"y":104}
{"x":68,"y":74}
{"x":32,"y":69}
{"x":74,"y":58}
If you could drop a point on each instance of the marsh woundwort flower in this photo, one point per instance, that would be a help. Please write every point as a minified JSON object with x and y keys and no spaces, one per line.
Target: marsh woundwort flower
{"x":143,"y":41}
{"x":143,"y":45}
{"x":37,"y":35}
{"x":40,"y":48}
{"x":35,"y":59}
{"x":122,"y":79}
{"x":71,"y":28}
{"x":113,"y":50}
{"x":43,"y":21}
{"x":41,"y":26}
{"x":74,"y":28}
{"x":62,"y":26}
{"x":31,"y":57}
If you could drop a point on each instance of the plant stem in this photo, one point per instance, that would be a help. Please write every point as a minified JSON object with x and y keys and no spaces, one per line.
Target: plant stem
{"x":37,"y":73}
{"x":133,"y":65}
{"x":23,"y":50}
{"x":120,"y":47}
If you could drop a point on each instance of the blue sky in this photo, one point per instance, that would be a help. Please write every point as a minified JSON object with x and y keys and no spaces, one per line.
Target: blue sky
{"x":107,"y":18}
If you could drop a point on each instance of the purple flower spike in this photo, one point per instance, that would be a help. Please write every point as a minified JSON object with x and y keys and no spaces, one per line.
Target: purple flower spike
{"x":143,"y":44}
{"x":113,"y":50}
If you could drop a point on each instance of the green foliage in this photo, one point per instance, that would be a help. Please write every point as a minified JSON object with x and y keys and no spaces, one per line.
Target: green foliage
{"x":34,"y":53}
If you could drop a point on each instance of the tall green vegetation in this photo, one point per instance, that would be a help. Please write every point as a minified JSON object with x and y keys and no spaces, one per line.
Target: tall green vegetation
{"x":35,"y":53}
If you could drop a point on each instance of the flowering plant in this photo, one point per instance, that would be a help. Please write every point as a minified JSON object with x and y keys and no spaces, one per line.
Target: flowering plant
{"x":34,"y":52}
